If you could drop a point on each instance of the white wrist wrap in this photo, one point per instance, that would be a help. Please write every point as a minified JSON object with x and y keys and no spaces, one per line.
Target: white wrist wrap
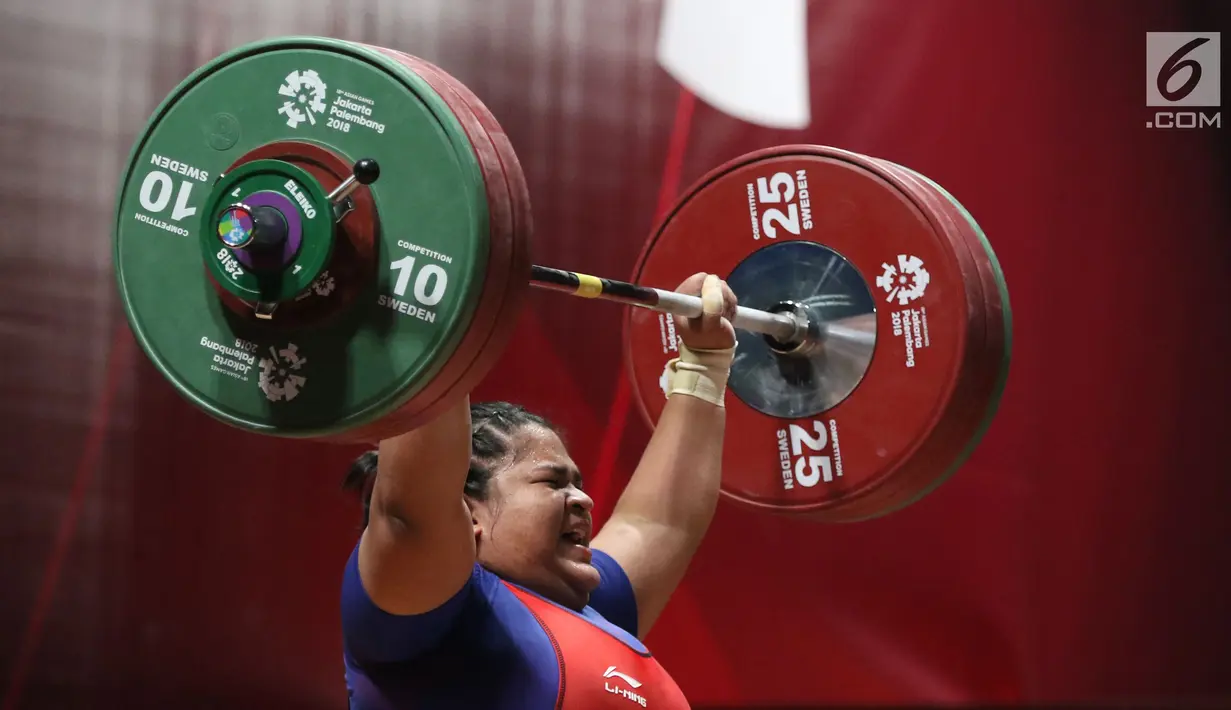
{"x":701,"y":374}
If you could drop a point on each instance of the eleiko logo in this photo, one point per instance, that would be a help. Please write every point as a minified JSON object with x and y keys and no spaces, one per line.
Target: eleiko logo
{"x":1183,"y":69}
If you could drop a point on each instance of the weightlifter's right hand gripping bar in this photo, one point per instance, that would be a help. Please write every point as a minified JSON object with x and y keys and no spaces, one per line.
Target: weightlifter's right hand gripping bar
{"x":788,"y":327}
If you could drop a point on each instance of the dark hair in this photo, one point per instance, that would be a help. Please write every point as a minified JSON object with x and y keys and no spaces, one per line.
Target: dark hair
{"x":491,"y":427}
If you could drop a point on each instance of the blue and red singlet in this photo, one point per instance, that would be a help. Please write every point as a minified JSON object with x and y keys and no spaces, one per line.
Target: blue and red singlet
{"x":497,"y":646}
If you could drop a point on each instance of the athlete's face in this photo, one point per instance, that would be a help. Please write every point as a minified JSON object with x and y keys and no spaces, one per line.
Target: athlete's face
{"x":534,"y":527}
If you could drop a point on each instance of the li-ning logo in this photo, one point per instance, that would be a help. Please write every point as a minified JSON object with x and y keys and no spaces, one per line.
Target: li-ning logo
{"x":1182,"y":70}
{"x":615,"y":689}
{"x":305,"y":95}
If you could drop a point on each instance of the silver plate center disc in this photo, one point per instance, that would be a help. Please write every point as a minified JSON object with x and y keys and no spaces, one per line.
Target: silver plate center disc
{"x":836,"y":297}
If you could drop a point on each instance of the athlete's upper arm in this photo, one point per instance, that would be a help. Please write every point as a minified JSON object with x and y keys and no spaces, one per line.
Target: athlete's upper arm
{"x":372,"y":635}
{"x":418,"y":548}
{"x":614,"y":598}
{"x":662,"y":515}
{"x":653,"y":557}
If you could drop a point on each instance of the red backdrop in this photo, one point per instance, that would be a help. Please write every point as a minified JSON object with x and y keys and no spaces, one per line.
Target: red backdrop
{"x":1076,"y":556}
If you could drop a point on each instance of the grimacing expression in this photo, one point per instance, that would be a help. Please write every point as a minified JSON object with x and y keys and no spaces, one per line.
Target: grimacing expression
{"x":534,"y":528}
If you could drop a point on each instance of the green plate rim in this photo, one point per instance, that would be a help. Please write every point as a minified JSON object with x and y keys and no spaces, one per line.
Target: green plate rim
{"x":467,"y":160}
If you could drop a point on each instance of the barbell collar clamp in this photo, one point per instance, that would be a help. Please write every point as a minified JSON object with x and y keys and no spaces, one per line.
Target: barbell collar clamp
{"x":364,"y":172}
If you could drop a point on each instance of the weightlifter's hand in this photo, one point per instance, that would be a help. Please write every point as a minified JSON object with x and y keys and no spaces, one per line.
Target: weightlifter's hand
{"x":712,"y":330}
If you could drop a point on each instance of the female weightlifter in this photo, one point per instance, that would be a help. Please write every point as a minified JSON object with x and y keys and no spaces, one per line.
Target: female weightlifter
{"x":499,"y":597}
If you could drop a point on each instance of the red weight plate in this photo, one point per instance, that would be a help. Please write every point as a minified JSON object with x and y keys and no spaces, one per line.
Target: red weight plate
{"x":457,"y":375}
{"x":517,"y":284}
{"x":519,"y":280}
{"x":839,"y":233}
{"x":921,"y":474}
{"x":994,"y":357}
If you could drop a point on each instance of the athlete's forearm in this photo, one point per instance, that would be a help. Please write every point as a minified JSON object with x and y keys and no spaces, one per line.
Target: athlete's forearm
{"x":676,"y":483}
{"x":424,"y":470}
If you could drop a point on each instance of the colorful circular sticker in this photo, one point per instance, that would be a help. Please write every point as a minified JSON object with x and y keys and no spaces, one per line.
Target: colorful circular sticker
{"x":235,"y":226}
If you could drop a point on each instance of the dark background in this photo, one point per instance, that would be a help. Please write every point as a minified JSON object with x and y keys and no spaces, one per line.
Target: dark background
{"x":155,"y":558}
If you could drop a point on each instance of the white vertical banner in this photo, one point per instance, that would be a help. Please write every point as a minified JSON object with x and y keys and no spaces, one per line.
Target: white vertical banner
{"x":746,"y":58}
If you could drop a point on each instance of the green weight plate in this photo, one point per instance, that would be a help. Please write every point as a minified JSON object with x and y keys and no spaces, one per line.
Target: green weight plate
{"x":433,"y":245}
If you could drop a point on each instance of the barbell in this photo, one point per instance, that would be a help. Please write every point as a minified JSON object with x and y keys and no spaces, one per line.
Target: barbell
{"x":327,"y":240}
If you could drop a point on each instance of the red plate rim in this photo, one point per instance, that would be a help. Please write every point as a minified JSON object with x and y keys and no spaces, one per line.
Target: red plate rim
{"x":972,"y":293}
{"x":994,"y":348}
{"x":437,"y":394}
{"x":517,"y":286}
{"x":919,"y":475}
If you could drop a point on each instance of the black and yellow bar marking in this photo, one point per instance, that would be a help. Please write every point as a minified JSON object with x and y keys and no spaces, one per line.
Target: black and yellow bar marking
{"x":587,"y":286}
